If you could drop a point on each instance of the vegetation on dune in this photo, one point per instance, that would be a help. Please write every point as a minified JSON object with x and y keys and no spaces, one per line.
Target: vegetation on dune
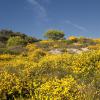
{"x":14,"y":42}
{"x":30,"y":72}
{"x":54,"y":34}
{"x":44,"y":76}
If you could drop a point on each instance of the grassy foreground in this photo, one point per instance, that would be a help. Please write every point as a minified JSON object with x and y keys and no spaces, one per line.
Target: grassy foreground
{"x":38,"y":75}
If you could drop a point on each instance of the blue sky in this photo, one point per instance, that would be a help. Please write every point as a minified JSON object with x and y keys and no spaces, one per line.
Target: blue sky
{"x":34,"y":17}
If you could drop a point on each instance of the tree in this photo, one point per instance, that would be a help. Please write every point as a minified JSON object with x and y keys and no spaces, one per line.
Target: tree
{"x":54,"y":34}
{"x":15,"y":41}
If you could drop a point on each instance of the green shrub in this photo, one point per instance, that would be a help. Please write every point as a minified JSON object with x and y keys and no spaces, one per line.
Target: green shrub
{"x":54,"y":34}
{"x":15,"y":41}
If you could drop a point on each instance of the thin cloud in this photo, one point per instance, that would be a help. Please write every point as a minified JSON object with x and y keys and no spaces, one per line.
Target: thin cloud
{"x":77,"y":26}
{"x":40,"y":9}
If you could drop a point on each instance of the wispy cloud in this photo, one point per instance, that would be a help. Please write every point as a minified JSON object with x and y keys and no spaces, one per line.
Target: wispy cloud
{"x":79,"y":27}
{"x":39,"y":9}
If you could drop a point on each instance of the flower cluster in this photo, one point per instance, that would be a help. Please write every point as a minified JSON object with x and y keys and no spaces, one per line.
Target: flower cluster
{"x":42,"y":76}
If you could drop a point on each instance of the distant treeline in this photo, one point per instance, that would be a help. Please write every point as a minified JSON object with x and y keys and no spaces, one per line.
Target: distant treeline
{"x":6,"y":34}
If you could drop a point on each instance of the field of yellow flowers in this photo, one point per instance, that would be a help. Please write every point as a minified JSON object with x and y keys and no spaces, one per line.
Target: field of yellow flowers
{"x":38,"y":75}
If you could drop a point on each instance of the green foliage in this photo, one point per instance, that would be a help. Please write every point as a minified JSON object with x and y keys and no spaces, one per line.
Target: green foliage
{"x":86,"y":41}
{"x":5,"y":35}
{"x":29,"y":39}
{"x":54,"y":34}
{"x":14,"y":41}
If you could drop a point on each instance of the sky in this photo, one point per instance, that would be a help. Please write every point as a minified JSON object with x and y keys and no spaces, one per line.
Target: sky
{"x":35,"y":17}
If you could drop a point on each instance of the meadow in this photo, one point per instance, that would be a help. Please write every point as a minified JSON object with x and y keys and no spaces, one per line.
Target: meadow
{"x":33,"y":73}
{"x":38,"y":75}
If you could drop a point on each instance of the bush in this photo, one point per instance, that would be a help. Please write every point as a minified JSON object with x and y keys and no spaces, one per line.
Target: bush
{"x":42,"y":76}
{"x":15,"y":41}
{"x":36,"y":55}
{"x":31,"y":47}
{"x":64,"y":89}
{"x":94,"y":47}
{"x":73,"y":38}
{"x":54,"y":35}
